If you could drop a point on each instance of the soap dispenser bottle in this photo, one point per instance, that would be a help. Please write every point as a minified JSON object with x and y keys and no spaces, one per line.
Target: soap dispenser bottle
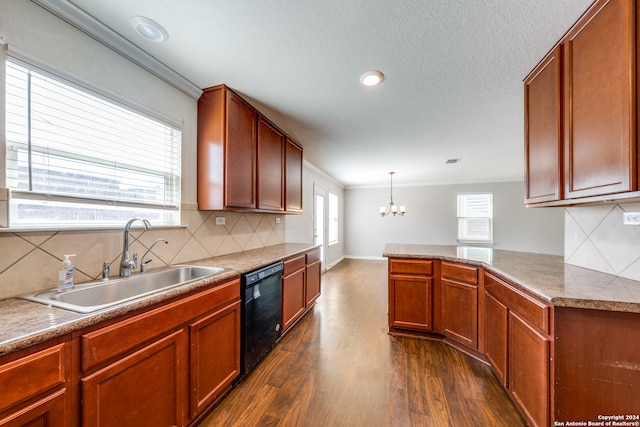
{"x":65,"y":275}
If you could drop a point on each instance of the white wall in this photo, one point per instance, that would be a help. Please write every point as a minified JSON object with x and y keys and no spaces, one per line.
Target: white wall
{"x":431,"y":219}
{"x":299,"y":228}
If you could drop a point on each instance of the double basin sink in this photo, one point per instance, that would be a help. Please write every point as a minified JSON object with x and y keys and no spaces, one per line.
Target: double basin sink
{"x":101,"y":294}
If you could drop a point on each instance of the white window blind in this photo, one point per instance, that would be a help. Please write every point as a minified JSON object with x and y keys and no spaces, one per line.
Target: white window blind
{"x":475,"y":217}
{"x":333,"y":218}
{"x":75,"y":157}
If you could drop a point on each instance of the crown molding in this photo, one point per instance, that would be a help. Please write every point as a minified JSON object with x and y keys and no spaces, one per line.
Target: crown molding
{"x":86,"y":23}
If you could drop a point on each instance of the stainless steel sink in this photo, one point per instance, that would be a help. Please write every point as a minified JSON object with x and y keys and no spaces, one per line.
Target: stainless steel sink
{"x":97,"y":295}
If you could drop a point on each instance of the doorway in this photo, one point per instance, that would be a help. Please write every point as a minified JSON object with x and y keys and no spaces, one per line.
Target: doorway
{"x":320,"y":221}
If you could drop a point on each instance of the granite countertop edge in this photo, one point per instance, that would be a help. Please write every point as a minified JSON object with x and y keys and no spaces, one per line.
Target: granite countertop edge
{"x":544,"y":276}
{"x":24,"y":323}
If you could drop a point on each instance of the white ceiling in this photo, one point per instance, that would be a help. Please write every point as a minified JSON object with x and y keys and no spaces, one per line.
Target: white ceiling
{"x":453,"y":75}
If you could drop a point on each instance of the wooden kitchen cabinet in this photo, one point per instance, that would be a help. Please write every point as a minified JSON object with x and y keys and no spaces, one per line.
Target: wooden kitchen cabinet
{"x":529,"y":370}
{"x":36,"y":387}
{"x":293,"y":177}
{"x":271,"y":175}
{"x":520,"y":350}
{"x":496,"y":336}
{"x":301,"y":284}
{"x":543,"y":130}
{"x":245,"y":162}
{"x":411,"y":294}
{"x":214,"y":355}
{"x":293,"y":298}
{"x":186,"y":351}
{"x":147,"y":387}
{"x":600,"y":101}
{"x":227,"y":129}
{"x":459,"y":305}
{"x":597,"y":118}
{"x":313,"y":274}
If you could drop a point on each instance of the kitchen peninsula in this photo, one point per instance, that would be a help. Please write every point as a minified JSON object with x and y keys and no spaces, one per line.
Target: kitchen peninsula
{"x":563,"y":340}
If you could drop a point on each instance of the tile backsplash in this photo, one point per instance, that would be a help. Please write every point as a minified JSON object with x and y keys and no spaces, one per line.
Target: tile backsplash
{"x":596,"y":238}
{"x":30,"y":260}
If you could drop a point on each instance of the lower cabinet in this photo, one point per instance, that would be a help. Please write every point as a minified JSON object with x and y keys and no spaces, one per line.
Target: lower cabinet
{"x":518,"y":346}
{"x":214,"y":355}
{"x":165,"y":366}
{"x":492,"y":320}
{"x":301,"y":285}
{"x":460,"y":303}
{"x":147,"y":387}
{"x":35,"y":388}
{"x":411,"y":295}
{"x":496,"y":336}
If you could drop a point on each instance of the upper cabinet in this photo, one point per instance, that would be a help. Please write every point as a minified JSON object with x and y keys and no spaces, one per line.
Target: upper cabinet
{"x":243,"y":158}
{"x":270,"y":166}
{"x":293,"y":176}
{"x":580,"y":112}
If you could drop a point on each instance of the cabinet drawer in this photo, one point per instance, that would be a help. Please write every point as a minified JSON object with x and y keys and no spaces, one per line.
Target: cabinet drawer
{"x":405,"y":266}
{"x":460,"y":273}
{"x":313,"y":256}
{"x":30,"y":375}
{"x":110,"y":341}
{"x":536,"y":312}
{"x":294,"y":264}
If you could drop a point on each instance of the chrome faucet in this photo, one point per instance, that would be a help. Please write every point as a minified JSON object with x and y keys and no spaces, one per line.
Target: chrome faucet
{"x":128,"y":265}
{"x":143,"y":263}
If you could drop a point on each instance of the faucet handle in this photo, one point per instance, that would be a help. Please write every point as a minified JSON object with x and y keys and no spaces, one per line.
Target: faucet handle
{"x":135,"y":260}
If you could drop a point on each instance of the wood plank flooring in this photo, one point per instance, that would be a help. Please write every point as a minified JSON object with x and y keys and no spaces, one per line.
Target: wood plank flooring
{"x":339,"y":367}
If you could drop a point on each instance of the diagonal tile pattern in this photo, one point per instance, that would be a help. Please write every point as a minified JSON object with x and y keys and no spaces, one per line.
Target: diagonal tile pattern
{"x":595,"y":238}
{"x":30,"y":260}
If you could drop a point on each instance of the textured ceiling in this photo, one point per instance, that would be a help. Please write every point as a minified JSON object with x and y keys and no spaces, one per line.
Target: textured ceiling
{"x":453,"y":75}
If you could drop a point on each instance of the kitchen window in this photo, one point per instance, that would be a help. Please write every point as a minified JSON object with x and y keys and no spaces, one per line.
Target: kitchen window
{"x":79,"y":158}
{"x":475,"y":218}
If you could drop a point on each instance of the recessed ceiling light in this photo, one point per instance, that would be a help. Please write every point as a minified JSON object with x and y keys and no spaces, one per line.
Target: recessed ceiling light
{"x":149,"y":29}
{"x":371,"y":78}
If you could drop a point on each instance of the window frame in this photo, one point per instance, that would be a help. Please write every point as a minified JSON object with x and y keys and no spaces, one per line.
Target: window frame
{"x":170,"y":213}
{"x":461,"y":218}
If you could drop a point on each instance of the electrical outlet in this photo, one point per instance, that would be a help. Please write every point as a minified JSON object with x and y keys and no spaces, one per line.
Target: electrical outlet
{"x":219,"y":220}
{"x":631,"y":218}
{"x":278,"y":220}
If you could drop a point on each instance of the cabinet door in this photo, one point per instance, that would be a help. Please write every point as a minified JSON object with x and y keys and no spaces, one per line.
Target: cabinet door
{"x":411,"y":302}
{"x":496,"y":324}
{"x":543,"y":130}
{"x":293,"y":298}
{"x":460,"y":312}
{"x":214,"y":356}
{"x":293,"y":176}
{"x":313,"y":276}
{"x":529,"y":370}
{"x":48,"y":412}
{"x":599,"y":105}
{"x":146,"y":388}
{"x":240,"y":153}
{"x":270,"y":166}
{"x":33,"y":388}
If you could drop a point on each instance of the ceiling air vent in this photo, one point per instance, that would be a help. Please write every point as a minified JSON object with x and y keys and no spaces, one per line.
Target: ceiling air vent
{"x":452,"y":161}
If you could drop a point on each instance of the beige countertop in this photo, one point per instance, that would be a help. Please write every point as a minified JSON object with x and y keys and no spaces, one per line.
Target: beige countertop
{"x":547,"y":276}
{"x":24,"y":323}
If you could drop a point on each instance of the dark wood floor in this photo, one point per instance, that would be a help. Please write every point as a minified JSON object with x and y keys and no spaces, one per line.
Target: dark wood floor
{"x":339,"y":367}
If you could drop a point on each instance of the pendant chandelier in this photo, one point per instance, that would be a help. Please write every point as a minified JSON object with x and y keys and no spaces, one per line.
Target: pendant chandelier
{"x":392,"y":207}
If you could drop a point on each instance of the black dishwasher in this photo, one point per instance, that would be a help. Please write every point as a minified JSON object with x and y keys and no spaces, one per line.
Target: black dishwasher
{"x":261,"y":314}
